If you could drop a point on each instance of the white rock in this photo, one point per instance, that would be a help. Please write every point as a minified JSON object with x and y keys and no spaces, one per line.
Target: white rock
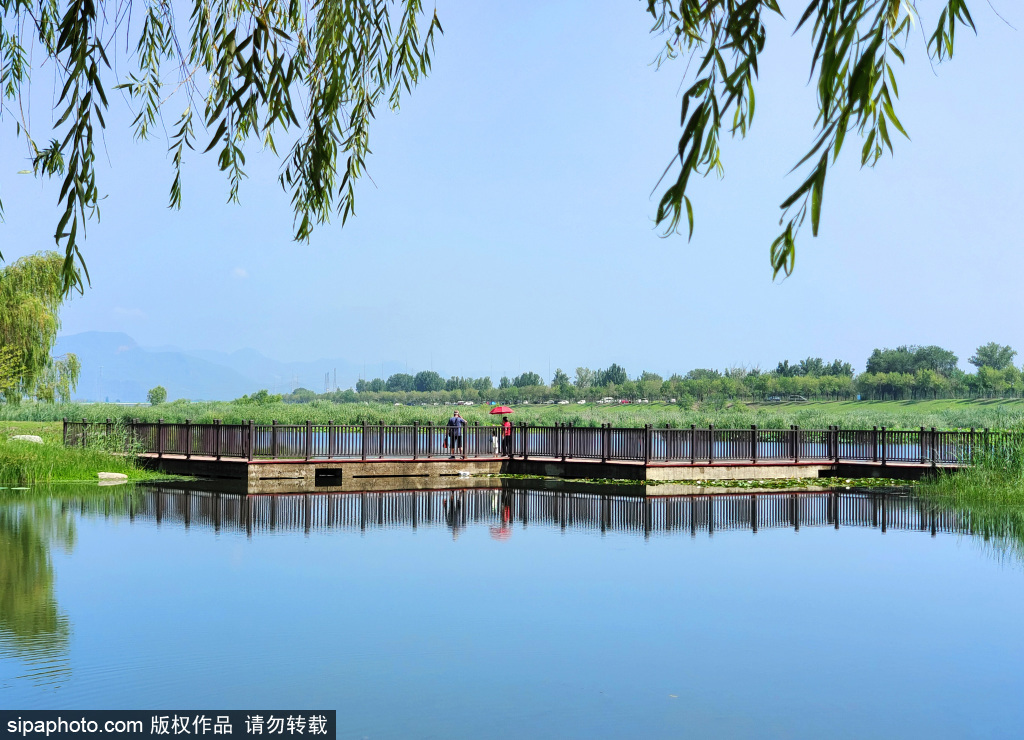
{"x":28,"y":438}
{"x":112,"y":476}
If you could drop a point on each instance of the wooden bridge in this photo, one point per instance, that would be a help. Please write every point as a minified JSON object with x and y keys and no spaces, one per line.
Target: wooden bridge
{"x":265,"y":458}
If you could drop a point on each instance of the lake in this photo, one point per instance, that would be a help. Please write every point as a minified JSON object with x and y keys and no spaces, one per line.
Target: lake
{"x":517,"y":612}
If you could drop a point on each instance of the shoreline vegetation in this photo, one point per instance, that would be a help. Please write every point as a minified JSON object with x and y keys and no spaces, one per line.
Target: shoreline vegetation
{"x":941,"y":414}
{"x":31,"y":464}
{"x":990,"y":493}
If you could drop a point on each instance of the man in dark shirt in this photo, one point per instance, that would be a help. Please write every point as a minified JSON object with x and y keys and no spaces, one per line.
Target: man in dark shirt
{"x":455,"y":425}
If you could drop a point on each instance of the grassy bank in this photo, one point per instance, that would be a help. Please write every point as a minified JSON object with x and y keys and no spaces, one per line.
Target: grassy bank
{"x":990,"y":493}
{"x":30,"y":464}
{"x":944,"y":414}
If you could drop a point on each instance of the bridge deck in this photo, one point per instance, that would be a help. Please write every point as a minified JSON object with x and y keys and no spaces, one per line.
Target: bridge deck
{"x":388,"y":473}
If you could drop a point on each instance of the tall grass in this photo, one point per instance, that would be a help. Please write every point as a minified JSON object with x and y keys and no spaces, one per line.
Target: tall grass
{"x":29,"y":464}
{"x":990,"y":492}
{"x":951,"y":415}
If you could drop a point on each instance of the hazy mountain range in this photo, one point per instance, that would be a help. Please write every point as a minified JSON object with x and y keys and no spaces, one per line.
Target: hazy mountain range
{"x":116,"y":368}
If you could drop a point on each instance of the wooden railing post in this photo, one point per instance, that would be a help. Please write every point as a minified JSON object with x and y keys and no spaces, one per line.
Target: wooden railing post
{"x":430,"y":439}
{"x":884,"y":450}
{"x":934,"y":449}
{"x":251,"y":441}
{"x":796,"y":443}
{"x":711,"y":444}
{"x":64,"y":433}
{"x":415,"y":440}
{"x":188,"y":439}
{"x":921,"y":438}
{"x":526,"y":440}
{"x":219,"y":431}
{"x":365,"y":440}
{"x":835,"y":444}
{"x":159,"y":438}
{"x":693,"y":444}
{"x":604,"y":443}
{"x":380,"y":438}
{"x":85,"y":432}
{"x":874,"y":444}
{"x":273,"y":439}
{"x":753,"y":443}
{"x":309,"y":439}
{"x":330,"y":439}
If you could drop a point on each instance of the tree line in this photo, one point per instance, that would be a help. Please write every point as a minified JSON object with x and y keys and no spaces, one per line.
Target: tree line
{"x":901,"y":373}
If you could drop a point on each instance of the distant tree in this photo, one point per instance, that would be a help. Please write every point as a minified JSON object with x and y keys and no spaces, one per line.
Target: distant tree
{"x":613,"y":375}
{"x":838,"y":368}
{"x":376,"y":385}
{"x":400,"y":382}
{"x":701,"y":373}
{"x":158,"y":395}
{"x":584,"y":378}
{"x":908,"y":359}
{"x":526,"y":380}
{"x":993,"y":355}
{"x":504,"y":383}
{"x":483,"y":385}
{"x":785,"y":370}
{"x":300,"y":395}
{"x":261,"y":397}
{"x":560,"y":379}
{"x":456,"y":383}
{"x":932,"y":357}
{"x":428,"y":380}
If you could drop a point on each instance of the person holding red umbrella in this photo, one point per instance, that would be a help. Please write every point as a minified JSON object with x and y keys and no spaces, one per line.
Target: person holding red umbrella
{"x":506,"y":430}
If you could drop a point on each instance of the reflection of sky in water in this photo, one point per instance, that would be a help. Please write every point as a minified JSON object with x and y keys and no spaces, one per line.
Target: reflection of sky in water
{"x":597,"y":616}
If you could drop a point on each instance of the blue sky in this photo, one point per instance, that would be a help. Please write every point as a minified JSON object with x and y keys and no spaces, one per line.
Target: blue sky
{"x":508,"y":224}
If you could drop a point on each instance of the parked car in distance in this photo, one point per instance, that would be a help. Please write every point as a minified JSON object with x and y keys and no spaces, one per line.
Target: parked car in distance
{"x":773,"y":399}
{"x":797,"y":398}
{"x":581,"y":402}
{"x":563,"y":402}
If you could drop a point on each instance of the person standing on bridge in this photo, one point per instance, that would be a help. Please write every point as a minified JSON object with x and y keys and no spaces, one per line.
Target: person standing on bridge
{"x":506,"y":437}
{"x":455,"y":425}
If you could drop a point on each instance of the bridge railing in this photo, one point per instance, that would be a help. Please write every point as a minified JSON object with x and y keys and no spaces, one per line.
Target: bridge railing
{"x":696,"y":445}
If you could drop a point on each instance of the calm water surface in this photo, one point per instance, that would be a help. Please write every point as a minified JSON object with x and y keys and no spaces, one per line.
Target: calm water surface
{"x":518,"y":613}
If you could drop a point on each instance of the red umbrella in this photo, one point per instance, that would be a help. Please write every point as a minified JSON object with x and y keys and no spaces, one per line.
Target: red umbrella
{"x":502,"y":410}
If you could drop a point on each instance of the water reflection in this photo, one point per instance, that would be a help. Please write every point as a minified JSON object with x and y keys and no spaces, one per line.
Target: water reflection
{"x":32,"y":627}
{"x":501,"y":509}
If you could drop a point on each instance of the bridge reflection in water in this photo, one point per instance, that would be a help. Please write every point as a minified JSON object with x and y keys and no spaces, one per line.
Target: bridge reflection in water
{"x":505,"y":508}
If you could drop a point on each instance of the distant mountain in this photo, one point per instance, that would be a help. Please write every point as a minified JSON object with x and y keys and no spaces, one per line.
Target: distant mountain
{"x":116,"y":368}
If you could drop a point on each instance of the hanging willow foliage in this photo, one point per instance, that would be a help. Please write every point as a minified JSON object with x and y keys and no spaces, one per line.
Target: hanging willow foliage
{"x":317,"y":70}
{"x":31,"y":294}
{"x":858,"y":46}
{"x":244,"y":70}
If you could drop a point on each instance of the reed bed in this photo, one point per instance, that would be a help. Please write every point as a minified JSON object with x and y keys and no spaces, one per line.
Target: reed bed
{"x":951,"y":415}
{"x":990,"y":492}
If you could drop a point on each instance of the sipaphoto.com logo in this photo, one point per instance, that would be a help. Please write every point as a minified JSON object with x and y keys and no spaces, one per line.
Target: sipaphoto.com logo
{"x":62,"y":725}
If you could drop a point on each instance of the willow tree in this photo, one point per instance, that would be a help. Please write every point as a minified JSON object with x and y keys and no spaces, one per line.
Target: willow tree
{"x":313,"y":72}
{"x":31,"y":294}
